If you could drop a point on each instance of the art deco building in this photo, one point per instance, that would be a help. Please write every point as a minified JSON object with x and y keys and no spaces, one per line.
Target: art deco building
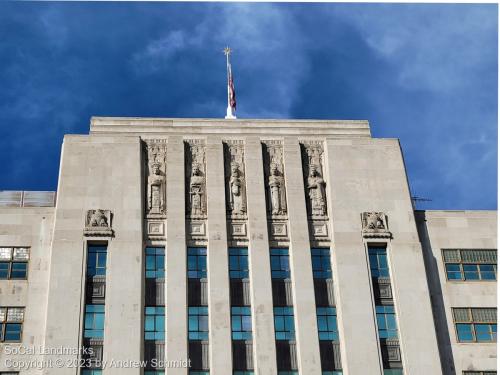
{"x":238,"y":247}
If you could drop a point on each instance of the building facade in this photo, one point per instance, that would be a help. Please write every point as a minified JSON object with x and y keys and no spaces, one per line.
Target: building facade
{"x":238,"y":247}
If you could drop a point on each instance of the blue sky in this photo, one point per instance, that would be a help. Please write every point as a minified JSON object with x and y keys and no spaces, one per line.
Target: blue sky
{"x":423,"y":73}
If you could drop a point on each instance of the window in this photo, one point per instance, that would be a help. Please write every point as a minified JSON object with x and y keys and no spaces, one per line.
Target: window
{"x":394,"y":371}
{"x":470,"y":264}
{"x":288,"y":372}
{"x":241,"y":323}
{"x":331,"y":372}
{"x":91,"y":372}
{"x":378,"y":261}
{"x":11,"y":322}
{"x":96,"y":262}
{"x":284,"y":323}
{"x":154,"y":372}
{"x":94,"y":321}
{"x":475,"y":324}
{"x":243,"y":373}
{"x":479,"y":373}
{"x":154,"y":323}
{"x":327,"y":323}
{"x":155,"y":262}
{"x":198,"y":323}
{"x":386,"y":322}
{"x":197,"y":262}
{"x":238,"y":263}
{"x":199,"y":372}
{"x":280,"y":265}
{"x":14,"y":262}
{"x":322,"y":268}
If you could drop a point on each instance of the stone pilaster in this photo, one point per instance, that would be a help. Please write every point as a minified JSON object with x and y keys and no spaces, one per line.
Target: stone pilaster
{"x":300,"y":263}
{"x":217,"y":262}
{"x":176,"y":258}
{"x":259,"y":263}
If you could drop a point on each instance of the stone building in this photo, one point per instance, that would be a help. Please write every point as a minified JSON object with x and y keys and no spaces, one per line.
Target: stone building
{"x":237,"y":247}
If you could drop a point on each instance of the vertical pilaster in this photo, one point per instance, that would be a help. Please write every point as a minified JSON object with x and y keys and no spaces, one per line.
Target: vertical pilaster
{"x":300,"y":263}
{"x":124,"y":269}
{"x":217,"y":262}
{"x":259,"y":261}
{"x":176,"y":258}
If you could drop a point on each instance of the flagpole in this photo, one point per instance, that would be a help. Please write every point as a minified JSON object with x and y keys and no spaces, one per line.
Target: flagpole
{"x":230,"y":110}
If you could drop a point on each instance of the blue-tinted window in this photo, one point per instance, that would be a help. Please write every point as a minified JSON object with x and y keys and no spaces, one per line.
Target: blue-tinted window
{"x":197,"y":262}
{"x":94,"y":321}
{"x":321,"y":264}
{"x":327,"y":323}
{"x":243,"y":373}
{"x":331,"y":372}
{"x":198,"y":323}
{"x":465,"y":332}
{"x":154,"y":372}
{"x":386,"y":322}
{"x":12,"y":332}
{"x":155,"y":262}
{"x":241,"y":323}
{"x":13,"y":270}
{"x":288,"y":373}
{"x":284,"y":323}
{"x":280,"y":264}
{"x":471,"y":271}
{"x":191,"y":372}
{"x":485,"y":332}
{"x":394,"y":371}
{"x":96,"y":261}
{"x":154,"y":323}
{"x":238,"y":263}
{"x":91,"y":372}
{"x":378,"y":261}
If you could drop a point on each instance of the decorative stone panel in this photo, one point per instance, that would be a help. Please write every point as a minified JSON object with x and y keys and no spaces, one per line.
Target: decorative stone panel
{"x":374,"y":225}
{"x":391,"y":353}
{"x":94,"y":352}
{"x":96,"y":289}
{"x":234,"y":174}
{"x":274,"y":179}
{"x":314,"y":182}
{"x":278,"y":230}
{"x":156,"y":178}
{"x":196,"y":194}
{"x":383,"y":290}
{"x":98,"y":223}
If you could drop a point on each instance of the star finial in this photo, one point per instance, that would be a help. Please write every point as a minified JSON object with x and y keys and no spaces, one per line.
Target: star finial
{"x":227,"y":51}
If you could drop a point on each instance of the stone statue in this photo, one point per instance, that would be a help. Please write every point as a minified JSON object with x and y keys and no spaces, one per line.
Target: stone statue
{"x":236,"y":191}
{"x":156,"y":190}
{"x":316,"y":188}
{"x":196,"y":190}
{"x":98,"y":219}
{"x":374,"y":221}
{"x":277,"y":191}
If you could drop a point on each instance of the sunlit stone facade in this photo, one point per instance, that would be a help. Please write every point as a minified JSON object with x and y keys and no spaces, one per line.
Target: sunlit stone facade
{"x":241,"y":247}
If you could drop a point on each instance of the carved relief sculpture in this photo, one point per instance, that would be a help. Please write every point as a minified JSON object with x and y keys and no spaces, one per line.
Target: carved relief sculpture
{"x":236,"y":191}
{"x":235,"y":178}
{"x":156,"y":180}
{"x":277,"y":191}
{"x":314,"y":183}
{"x":275,"y":180}
{"x":196,"y":193}
{"x":375,"y":224}
{"x":98,"y":223}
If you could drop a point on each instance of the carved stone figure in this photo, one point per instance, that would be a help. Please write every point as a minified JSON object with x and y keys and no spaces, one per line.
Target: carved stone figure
{"x":316,"y":189}
{"x":277,"y":191}
{"x":236,"y":191}
{"x":156,"y":190}
{"x":98,"y":223}
{"x":98,"y":219}
{"x":197,"y":190}
{"x":375,"y":224}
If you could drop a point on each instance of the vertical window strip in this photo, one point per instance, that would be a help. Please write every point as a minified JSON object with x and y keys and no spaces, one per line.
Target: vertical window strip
{"x":280,"y":263}
{"x":197,"y":262}
{"x":238,"y":263}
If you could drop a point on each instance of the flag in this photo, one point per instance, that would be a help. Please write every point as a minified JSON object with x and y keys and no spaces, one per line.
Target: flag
{"x":232,"y":92}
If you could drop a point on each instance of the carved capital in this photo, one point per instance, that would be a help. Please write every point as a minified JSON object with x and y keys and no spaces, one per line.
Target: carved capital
{"x":98,"y":223}
{"x":374,"y":225}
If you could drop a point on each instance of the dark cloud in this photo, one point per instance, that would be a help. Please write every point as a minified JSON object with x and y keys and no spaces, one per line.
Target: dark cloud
{"x":426,"y":74}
